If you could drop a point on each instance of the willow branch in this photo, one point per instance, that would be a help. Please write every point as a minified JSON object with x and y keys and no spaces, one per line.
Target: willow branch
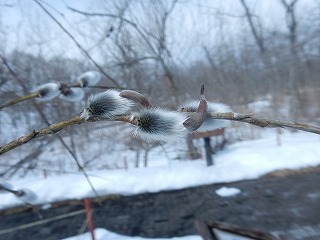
{"x":76,"y":85}
{"x":246,"y":118}
{"x":263,"y":122}
{"x":53,"y":129}
{"x":33,"y":134}
{"x":19,"y":99}
{"x":231,"y":116}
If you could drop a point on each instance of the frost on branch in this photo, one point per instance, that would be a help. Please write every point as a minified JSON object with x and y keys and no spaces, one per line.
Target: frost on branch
{"x":156,"y":124}
{"x":106,"y":105}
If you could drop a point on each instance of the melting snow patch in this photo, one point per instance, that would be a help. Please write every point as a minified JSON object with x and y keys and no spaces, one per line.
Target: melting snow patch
{"x":227,"y":192}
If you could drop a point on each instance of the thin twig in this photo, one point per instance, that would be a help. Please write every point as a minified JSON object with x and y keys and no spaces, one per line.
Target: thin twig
{"x":101,"y":87}
{"x":246,"y":118}
{"x":45,"y":131}
{"x":49,"y":130}
{"x":134,"y":25}
{"x":263,"y":122}
{"x":19,"y":99}
{"x":36,"y":94}
{"x":77,"y":43}
{"x":79,"y":165}
{"x":53,"y":129}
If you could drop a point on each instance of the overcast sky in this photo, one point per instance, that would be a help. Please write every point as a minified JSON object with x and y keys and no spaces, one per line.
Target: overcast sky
{"x":25,"y":26}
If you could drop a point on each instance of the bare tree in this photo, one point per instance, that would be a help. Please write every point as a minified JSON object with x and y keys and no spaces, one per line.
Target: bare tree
{"x":147,"y":42}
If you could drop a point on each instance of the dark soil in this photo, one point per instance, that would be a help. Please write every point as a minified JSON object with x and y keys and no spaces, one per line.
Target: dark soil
{"x":286,"y":205}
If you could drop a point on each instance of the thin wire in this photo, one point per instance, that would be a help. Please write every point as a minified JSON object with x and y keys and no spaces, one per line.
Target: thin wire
{"x":37,"y":223}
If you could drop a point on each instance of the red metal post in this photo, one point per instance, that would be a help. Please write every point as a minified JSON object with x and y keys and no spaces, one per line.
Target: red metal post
{"x":89,"y":214}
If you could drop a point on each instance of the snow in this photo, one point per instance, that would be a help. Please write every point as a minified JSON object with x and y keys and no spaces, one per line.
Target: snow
{"x":239,"y":161}
{"x":227,"y":192}
{"x":27,"y":196}
{"x":4,"y":184}
{"x":259,"y":105}
{"x":103,"y":234}
{"x":248,"y":159}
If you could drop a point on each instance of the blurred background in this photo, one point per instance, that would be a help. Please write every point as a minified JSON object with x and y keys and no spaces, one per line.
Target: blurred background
{"x":256,"y":56}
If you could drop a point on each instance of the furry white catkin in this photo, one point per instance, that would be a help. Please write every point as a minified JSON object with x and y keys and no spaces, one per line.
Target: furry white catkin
{"x":209,"y":124}
{"x":48,"y":91}
{"x":156,"y":124}
{"x":89,"y":78}
{"x":26,"y":195}
{"x":73,"y":94}
{"x":106,"y":105}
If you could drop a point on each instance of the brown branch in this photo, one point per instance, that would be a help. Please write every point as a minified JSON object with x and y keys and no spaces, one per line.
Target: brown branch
{"x":45,"y":131}
{"x":263,"y":122}
{"x":231,"y":116}
{"x":53,"y":129}
{"x":19,"y":99}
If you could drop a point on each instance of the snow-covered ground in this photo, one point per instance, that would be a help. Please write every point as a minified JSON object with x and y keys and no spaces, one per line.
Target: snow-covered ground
{"x":103,"y":234}
{"x":242,"y":160}
{"x":248,"y":159}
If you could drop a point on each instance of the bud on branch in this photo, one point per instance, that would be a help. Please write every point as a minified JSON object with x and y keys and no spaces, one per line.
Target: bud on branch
{"x":154,"y":123}
{"x":106,"y":105}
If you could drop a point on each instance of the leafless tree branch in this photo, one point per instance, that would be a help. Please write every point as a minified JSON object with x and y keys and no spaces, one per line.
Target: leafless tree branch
{"x":258,"y":38}
{"x":33,"y":134}
{"x":122,"y":19}
{"x":246,"y":118}
{"x":77,"y":43}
